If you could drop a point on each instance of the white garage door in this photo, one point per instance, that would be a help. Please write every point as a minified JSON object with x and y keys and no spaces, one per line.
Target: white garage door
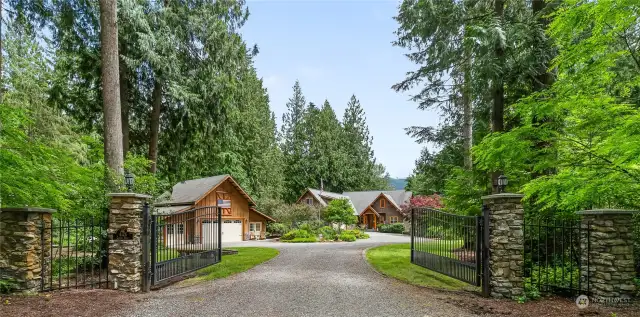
{"x":231,"y":231}
{"x":175,"y":234}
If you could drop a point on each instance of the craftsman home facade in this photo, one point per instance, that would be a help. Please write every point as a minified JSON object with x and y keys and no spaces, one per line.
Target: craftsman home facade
{"x":191,"y":222}
{"x":372,"y":207}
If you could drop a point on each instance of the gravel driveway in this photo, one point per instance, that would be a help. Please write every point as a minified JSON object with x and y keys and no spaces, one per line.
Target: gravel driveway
{"x":322,"y":279}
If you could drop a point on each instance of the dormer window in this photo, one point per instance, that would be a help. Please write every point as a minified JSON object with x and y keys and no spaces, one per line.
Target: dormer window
{"x":383,"y":203}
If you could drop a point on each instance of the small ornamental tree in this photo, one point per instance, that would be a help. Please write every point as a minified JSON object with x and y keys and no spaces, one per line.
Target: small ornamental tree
{"x":340,"y":211}
{"x":431,"y":201}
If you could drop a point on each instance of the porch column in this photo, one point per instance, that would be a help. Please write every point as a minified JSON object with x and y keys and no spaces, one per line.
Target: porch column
{"x":506,"y":245}
{"x":125,"y":241}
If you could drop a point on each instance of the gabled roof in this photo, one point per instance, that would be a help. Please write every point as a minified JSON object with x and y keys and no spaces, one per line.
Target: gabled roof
{"x":191,"y":191}
{"x":362,"y":200}
{"x":369,"y":208}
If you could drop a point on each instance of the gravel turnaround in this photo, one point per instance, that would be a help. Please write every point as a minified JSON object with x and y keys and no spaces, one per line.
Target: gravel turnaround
{"x":322,"y":279}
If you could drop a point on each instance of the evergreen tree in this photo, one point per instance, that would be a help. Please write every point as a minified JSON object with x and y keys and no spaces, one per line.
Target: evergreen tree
{"x":360,"y":161}
{"x":111,"y":86}
{"x":293,"y":144}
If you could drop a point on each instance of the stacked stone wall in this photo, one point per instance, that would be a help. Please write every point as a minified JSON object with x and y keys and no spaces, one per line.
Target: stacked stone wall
{"x":506,"y":245}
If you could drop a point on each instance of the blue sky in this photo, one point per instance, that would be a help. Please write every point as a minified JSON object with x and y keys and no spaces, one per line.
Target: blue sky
{"x":336,"y":49}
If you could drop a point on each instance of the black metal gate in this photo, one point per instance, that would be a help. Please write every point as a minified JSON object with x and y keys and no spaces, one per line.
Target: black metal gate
{"x":556,"y":255}
{"x":75,"y":253}
{"x":447,"y":243}
{"x":183,"y":242}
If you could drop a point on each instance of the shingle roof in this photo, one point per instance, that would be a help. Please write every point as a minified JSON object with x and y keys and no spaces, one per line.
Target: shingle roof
{"x":192,"y":190}
{"x":321,"y":194}
{"x":362,"y":200}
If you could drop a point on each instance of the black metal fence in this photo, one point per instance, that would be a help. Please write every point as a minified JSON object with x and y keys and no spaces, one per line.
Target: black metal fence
{"x":184,"y":242}
{"x":447,"y":243}
{"x":556,"y":256}
{"x":75,"y":254}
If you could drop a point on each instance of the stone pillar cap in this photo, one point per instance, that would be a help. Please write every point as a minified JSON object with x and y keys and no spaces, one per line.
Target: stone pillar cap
{"x":607,"y":212}
{"x":129,"y":195}
{"x":502,"y":195}
{"x":28,"y":209}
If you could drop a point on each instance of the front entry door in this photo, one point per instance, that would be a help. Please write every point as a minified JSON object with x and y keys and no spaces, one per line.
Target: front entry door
{"x":370,"y":221}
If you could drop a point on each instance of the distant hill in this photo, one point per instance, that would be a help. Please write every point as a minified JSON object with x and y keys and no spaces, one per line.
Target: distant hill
{"x":398,"y":183}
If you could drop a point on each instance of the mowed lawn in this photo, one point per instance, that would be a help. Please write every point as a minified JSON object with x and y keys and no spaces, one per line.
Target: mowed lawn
{"x":246,"y":258}
{"x":395,"y":261}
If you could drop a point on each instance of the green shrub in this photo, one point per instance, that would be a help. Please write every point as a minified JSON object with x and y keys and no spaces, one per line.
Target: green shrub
{"x":8,"y":286}
{"x":559,"y":276}
{"x":311,"y":226}
{"x":277,"y":228}
{"x":348,"y":237}
{"x":297,"y":233}
{"x":392,"y":228}
{"x":328,"y":233}
{"x":302,"y":240}
{"x":356,"y":233}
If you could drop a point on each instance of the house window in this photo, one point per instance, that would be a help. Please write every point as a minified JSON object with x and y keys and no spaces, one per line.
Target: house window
{"x":309,"y":201}
{"x":255,"y":227}
{"x":383,"y":217}
{"x":383,"y":203}
{"x":171,"y":229}
{"x":393,"y":219}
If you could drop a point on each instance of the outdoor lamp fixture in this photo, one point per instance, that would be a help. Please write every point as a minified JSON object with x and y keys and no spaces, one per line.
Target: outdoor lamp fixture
{"x":502,"y":183}
{"x":128,"y":181}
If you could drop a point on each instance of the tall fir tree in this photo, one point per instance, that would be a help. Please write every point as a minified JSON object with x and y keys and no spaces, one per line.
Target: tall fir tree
{"x":357,"y":143}
{"x":292,"y":142}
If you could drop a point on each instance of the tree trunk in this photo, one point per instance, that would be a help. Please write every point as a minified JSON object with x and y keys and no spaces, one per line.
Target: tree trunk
{"x":111,"y":86}
{"x":543,"y":80}
{"x":497,"y":113}
{"x":124,"y":104}
{"x":156,"y":105}
{"x":467,"y":115}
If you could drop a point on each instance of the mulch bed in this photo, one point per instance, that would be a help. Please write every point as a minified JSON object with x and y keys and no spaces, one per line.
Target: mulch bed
{"x":96,"y":302}
{"x":546,"y":307}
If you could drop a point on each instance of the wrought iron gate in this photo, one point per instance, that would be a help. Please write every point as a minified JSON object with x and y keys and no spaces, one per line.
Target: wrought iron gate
{"x":556,"y":255}
{"x":183,"y":242}
{"x":75,"y":253}
{"x":447,"y":243}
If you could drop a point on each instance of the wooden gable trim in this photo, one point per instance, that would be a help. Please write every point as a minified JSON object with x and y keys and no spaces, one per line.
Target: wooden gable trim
{"x":371,"y":209}
{"x":393,"y":203}
{"x":316,"y":197}
{"x":303,"y":194}
{"x":234,"y":184}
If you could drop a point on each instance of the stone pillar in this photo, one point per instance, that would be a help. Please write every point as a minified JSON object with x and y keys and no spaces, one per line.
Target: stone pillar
{"x":22,"y":236}
{"x":125,"y":245}
{"x":607,"y":254}
{"x":506,"y":245}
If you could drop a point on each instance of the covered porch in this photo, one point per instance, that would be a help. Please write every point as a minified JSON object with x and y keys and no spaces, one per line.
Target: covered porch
{"x":370,"y":218}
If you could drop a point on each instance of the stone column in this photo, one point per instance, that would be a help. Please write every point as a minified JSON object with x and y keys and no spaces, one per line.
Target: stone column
{"x":607,"y":253}
{"x":506,"y":245}
{"x":125,"y":245}
{"x":23,"y":232}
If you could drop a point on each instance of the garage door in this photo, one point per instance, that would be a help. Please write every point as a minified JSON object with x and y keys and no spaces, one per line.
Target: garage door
{"x":174,"y":234}
{"x":231,"y":231}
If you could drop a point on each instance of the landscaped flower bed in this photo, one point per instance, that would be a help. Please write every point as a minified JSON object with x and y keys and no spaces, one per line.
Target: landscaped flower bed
{"x":323,"y":234}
